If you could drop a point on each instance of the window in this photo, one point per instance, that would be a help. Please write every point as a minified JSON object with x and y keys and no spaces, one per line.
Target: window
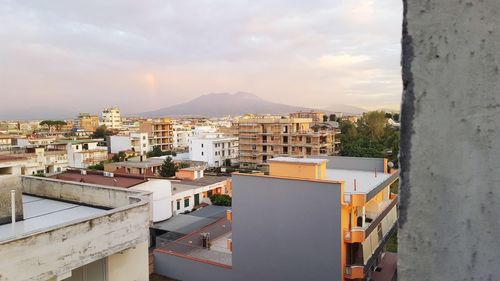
{"x":201,"y":145}
{"x":186,"y":202}
{"x":202,"y":153}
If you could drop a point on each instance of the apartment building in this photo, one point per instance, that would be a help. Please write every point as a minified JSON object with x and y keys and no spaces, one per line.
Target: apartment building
{"x":261,"y":139}
{"x":181,"y":135}
{"x":162,"y":132}
{"x":82,"y":152}
{"x":5,"y":142}
{"x":136,"y":142}
{"x":313,"y":219}
{"x":36,"y":160}
{"x":72,"y":231}
{"x":111,"y":118}
{"x":316,"y":117}
{"x":214,"y":149}
{"x":87,"y":122}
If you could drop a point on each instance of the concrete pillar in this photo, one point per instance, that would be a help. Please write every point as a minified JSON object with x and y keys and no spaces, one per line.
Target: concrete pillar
{"x":449,"y":227}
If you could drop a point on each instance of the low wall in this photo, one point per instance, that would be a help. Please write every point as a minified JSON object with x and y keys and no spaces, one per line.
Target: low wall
{"x":186,"y":269}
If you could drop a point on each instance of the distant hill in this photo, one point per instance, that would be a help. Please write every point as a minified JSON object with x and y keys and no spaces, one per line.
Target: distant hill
{"x":222,"y":104}
{"x":346,"y":109}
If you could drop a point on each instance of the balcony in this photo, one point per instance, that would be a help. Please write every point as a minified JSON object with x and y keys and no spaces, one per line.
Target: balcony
{"x":359,"y":234}
{"x":354,"y":272}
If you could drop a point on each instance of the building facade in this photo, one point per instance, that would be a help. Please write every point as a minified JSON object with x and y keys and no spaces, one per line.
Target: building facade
{"x":87,"y":122}
{"x":214,"y":149}
{"x":162,"y":132}
{"x":313,"y":219}
{"x":261,"y":139}
{"x":111,"y":118}
{"x":181,"y":135}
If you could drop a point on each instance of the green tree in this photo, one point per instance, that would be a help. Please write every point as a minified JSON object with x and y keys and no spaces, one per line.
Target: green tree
{"x":96,"y":167}
{"x":156,"y":152}
{"x":119,"y":157}
{"x":53,"y":123}
{"x":395,"y":117}
{"x":325,"y":118}
{"x":372,"y":124}
{"x":221,"y":200}
{"x":168,"y":168}
{"x":101,"y":132}
{"x":388,"y":115}
{"x":182,"y":165}
{"x":333,"y":117}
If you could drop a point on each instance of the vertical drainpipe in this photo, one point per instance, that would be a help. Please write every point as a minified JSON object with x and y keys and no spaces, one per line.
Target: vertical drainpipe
{"x":13,"y":206}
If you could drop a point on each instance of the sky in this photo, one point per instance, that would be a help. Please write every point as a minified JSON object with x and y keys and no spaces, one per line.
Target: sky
{"x":82,"y":56}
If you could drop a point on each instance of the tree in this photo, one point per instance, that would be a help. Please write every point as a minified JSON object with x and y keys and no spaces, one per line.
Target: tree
{"x":156,"y":152}
{"x":96,"y":167}
{"x":325,"y":118}
{"x":333,"y":117}
{"x":182,"y":165}
{"x":221,"y":200}
{"x":372,"y":124}
{"x":53,"y":123}
{"x":168,"y":168}
{"x":101,"y":132}
{"x":119,"y":157}
{"x":395,"y":117}
{"x":388,"y":115}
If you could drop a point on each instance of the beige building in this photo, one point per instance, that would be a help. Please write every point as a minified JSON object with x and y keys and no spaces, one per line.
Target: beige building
{"x":111,"y":118}
{"x":317,"y":117}
{"x":162,"y":130}
{"x":261,"y":139}
{"x":87,"y":122}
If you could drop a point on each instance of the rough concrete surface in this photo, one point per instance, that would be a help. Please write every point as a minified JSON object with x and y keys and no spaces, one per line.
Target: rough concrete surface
{"x":8,"y":183}
{"x":450,"y":142}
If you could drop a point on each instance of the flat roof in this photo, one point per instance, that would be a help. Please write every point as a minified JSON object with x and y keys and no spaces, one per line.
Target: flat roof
{"x":183,"y":185}
{"x":100,"y":179}
{"x":366,"y":181}
{"x":77,"y":141}
{"x":298,"y":160}
{"x":148,"y":163}
{"x":41,"y":213}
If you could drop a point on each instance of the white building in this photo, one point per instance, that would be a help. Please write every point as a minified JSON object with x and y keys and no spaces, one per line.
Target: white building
{"x":181,"y":135}
{"x":138,"y":142}
{"x":214,"y":149}
{"x":111,"y":118}
{"x":84,"y":153}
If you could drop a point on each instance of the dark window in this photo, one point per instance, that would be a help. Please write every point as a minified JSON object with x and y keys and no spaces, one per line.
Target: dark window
{"x":178,"y":204}
{"x":186,"y":202}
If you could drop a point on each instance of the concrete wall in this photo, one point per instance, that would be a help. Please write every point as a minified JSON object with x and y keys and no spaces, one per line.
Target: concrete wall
{"x":450,"y":141}
{"x":57,"y":251}
{"x":185,"y":269}
{"x":89,"y":194}
{"x":285,"y":229}
{"x":8,"y":183}
{"x":354,"y":163}
{"x":131,"y":264}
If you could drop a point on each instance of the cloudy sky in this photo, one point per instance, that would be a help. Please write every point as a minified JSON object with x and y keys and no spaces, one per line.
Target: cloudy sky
{"x":142,"y":55}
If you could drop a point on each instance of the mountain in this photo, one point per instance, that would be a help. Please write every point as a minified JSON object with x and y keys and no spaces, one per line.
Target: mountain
{"x":222,"y":104}
{"x":346,"y":109}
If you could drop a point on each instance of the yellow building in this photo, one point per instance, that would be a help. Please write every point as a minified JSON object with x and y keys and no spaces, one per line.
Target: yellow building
{"x":88,"y":122}
{"x":162,"y":131}
{"x":261,"y":139}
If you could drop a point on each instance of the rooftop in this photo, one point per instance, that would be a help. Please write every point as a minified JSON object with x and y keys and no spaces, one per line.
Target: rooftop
{"x":183,"y":185}
{"x":98,"y":178}
{"x":298,"y":160}
{"x":41,"y":213}
{"x":366,"y":181}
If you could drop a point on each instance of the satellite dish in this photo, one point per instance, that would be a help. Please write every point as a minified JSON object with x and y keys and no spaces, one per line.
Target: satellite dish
{"x":390,"y":164}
